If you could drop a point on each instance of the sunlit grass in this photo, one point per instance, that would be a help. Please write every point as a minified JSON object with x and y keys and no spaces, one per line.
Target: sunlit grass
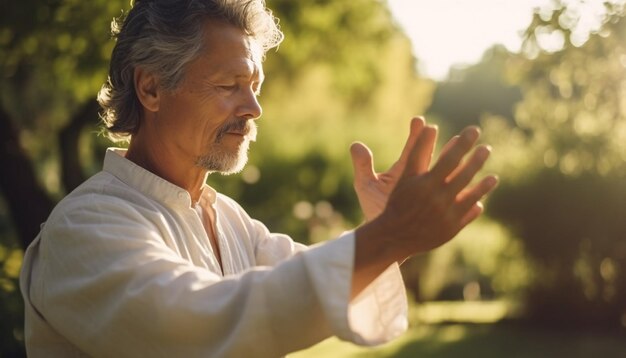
{"x":424,"y":320}
{"x":432,"y":337}
{"x":465,"y":312}
{"x":482,"y":340}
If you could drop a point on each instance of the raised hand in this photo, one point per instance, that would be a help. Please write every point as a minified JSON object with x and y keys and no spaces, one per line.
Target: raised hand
{"x":429,"y":207}
{"x":373,"y":188}
{"x":419,"y":208}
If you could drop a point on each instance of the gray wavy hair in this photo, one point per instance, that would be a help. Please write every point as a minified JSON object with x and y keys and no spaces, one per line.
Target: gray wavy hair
{"x":162,"y":36}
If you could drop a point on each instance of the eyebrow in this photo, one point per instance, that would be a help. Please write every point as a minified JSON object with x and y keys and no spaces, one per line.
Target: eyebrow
{"x":241,"y":72}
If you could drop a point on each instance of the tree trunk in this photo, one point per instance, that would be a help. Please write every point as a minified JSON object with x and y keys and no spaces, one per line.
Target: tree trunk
{"x":71,"y":170}
{"x":27,"y":200}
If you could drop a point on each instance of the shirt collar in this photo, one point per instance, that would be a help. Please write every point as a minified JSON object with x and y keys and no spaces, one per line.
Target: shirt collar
{"x":152,"y":185}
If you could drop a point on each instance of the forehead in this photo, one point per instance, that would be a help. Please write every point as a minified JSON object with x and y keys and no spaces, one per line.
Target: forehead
{"x":227,"y":49}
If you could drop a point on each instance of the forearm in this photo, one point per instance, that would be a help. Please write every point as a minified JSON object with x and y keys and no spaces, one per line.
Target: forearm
{"x":373,"y":254}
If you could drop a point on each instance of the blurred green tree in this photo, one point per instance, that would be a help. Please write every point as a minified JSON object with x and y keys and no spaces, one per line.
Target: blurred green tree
{"x":53,"y":60}
{"x":563,"y":162}
{"x":471,"y":92}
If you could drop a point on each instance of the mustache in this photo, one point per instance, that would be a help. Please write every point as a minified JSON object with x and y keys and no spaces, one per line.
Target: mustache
{"x":244,"y":126}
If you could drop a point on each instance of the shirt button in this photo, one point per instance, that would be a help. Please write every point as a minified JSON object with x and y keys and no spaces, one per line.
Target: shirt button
{"x":181,"y":195}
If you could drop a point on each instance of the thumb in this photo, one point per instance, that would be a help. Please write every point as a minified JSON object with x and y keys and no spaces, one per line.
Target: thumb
{"x":362,"y":161}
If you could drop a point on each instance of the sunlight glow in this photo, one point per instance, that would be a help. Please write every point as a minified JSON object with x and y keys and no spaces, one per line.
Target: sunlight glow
{"x":449,"y":32}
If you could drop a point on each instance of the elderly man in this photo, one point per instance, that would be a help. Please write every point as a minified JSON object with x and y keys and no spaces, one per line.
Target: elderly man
{"x":145,"y":260}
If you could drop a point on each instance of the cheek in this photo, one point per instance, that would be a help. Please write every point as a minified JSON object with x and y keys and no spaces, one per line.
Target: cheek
{"x":212,"y":117}
{"x":197,"y":117}
{"x":208,"y":131}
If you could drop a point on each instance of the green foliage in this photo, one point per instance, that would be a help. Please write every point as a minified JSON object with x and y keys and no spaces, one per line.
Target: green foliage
{"x":54,"y":55}
{"x":573,"y":229}
{"x":563,"y":167}
{"x":53,"y":58}
{"x":481,"y":263}
{"x":573,"y":108}
{"x":11,"y":305}
{"x":343,"y":34}
{"x":560,"y":151}
{"x":472,"y":92}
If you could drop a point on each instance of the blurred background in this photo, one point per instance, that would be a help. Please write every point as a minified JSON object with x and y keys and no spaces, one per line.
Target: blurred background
{"x":541,"y":274}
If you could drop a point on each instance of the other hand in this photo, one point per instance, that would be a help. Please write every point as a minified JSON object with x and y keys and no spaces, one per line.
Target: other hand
{"x":373,"y":188}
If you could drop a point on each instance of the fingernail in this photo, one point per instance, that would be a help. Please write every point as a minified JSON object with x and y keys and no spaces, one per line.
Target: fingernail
{"x":485,"y":149}
{"x":482,"y":153}
{"x":419,"y":119}
{"x":493,"y":180}
{"x":471,"y":133}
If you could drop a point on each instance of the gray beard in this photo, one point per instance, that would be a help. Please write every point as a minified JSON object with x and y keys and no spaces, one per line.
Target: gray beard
{"x":224,"y":162}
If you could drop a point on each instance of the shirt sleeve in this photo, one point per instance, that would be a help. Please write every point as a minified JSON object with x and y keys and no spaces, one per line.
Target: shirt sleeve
{"x":376,"y":316}
{"x":109,"y":285}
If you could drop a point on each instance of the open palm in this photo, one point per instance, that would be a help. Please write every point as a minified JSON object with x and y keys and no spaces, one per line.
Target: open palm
{"x":373,"y":188}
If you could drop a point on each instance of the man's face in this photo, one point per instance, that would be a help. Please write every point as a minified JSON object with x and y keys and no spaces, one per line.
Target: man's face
{"x":210,"y":117}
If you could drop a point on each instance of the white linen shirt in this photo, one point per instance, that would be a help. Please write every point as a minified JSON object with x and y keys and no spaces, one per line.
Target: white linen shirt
{"x":124,"y":268}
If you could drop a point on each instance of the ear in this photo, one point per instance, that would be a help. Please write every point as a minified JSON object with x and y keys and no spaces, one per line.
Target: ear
{"x":147,"y":89}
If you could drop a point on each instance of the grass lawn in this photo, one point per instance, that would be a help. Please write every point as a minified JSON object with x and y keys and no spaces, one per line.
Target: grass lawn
{"x":482,"y":340}
{"x":509,"y":339}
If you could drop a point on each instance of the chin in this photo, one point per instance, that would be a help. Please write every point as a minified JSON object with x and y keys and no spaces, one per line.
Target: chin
{"x":225,"y":163}
{"x":235,"y":167}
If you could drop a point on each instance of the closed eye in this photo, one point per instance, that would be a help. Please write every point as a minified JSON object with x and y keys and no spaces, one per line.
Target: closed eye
{"x":229,"y":88}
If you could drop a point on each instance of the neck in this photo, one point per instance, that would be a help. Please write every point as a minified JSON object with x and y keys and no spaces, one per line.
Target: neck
{"x":160,"y":160}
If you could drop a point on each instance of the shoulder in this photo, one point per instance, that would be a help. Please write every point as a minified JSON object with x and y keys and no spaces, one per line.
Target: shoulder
{"x":101,"y":198}
{"x":98,"y":218}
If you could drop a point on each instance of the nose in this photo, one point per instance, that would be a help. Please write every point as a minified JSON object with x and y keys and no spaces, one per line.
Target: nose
{"x":250,"y":107}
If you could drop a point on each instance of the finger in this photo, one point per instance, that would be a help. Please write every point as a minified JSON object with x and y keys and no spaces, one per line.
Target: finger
{"x":362,"y":162}
{"x":416,"y":126}
{"x":469,"y":197}
{"x":421,"y":153}
{"x":464,"y":173}
{"x":427,"y":154}
{"x":446,"y":148}
{"x":466,"y":218}
{"x":450,"y":160}
{"x":471,"y":215}
{"x":449,"y":145}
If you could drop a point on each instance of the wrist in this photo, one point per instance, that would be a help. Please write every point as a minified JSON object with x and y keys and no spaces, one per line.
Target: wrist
{"x":376,"y":245}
